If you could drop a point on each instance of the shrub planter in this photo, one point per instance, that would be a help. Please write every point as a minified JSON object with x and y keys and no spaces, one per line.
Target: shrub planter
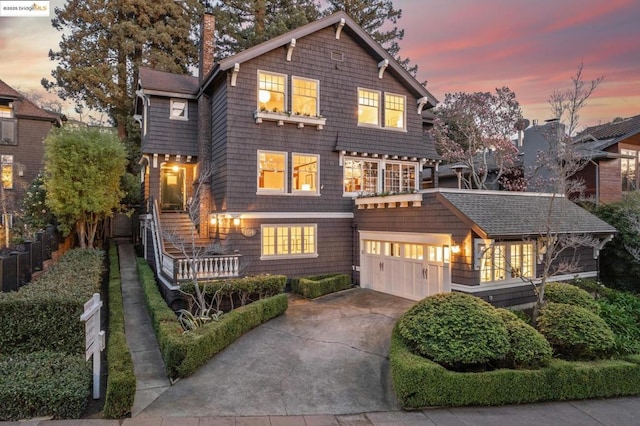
{"x":319,"y":285}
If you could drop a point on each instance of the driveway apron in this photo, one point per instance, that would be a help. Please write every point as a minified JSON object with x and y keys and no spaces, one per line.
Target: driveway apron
{"x":329,"y":355}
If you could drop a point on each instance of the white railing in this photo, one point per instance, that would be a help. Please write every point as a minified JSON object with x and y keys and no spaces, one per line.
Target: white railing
{"x":204,"y":268}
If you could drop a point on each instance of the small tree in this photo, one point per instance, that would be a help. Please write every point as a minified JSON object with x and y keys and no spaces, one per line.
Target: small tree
{"x":83,"y":169}
{"x":474,"y":130}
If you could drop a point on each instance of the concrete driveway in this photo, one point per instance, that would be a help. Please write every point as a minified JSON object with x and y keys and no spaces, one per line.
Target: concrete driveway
{"x":323,"y":356}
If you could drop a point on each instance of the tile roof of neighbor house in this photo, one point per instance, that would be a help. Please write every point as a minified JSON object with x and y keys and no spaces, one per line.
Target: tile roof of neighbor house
{"x":335,"y":19}
{"x":23,"y":107}
{"x":496,"y":214}
{"x":614,"y":129}
{"x":167,"y":83}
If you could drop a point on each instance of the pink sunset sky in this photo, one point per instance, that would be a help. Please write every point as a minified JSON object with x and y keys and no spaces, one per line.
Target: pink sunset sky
{"x":459,"y":45}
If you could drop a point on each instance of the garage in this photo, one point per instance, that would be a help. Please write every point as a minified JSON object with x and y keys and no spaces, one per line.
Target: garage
{"x":409,"y":265}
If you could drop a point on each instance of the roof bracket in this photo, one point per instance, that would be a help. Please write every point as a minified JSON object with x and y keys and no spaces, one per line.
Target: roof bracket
{"x":596,"y":249}
{"x":382,"y":65}
{"x":421,"y":103}
{"x":234,"y":74}
{"x":292,"y":44}
{"x":339,"y":29}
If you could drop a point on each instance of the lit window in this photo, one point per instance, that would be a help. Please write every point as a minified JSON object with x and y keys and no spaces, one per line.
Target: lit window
{"x":271,"y":92}
{"x":394,"y":111}
{"x":368,"y":107}
{"x":628,"y":168}
{"x":305,"y":173}
{"x":288,"y":241}
{"x":6,"y":111}
{"x":413,"y":251}
{"x":305,"y":97}
{"x":179,"y":109}
{"x":360,"y":176}
{"x":400,"y":177}
{"x":499,"y":262}
{"x":272,"y":171}
{"x":7,"y":171}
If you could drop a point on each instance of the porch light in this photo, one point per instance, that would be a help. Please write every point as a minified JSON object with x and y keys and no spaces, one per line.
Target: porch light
{"x":176,"y":169}
{"x":213,"y":219}
{"x":455,"y":249}
{"x":236,"y":221}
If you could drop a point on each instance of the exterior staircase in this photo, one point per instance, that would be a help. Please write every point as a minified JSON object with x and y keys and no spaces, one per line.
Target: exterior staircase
{"x":177,"y":232}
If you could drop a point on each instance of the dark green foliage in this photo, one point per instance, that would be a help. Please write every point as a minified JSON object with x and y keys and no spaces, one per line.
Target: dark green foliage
{"x":420,"y":383}
{"x":571,"y":295}
{"x":575,"y":332}
{"x":455,"y":330}
{"x":621,"y":312}
{"x":45,"y":315}
{"x":242,"y":290}
{"x":618,"y":267}
{"x":121,"y":379}
{"x":527,"y":347}
{"x":44,"y":384}
{"x":319,"y":285}
{"x":184,"y":353}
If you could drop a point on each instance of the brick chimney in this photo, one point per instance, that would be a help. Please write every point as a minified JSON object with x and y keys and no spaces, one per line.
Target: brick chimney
{"x":207,"y":45}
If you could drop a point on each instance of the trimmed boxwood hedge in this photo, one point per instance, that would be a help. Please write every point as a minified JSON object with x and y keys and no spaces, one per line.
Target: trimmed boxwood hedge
{"x":184,"y":353}
{"x":420,"y":383}
{"x":45,"y":315}
{"x":527,"y":347}
{"x":571,"y":295}
{"x":319,"y":285}
{"x":121,"y":378}
{"x":44,"y":384}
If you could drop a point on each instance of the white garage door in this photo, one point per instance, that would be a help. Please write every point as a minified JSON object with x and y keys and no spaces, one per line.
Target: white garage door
{"x":413,"y":266}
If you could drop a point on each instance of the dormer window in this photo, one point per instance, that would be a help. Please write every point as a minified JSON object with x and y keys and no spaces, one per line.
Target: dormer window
{"x":272,"y":91}
{"x":179,"y":109}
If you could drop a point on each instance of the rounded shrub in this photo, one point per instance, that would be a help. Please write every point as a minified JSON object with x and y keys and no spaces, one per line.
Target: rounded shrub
{"x":571,"y":295}
{"x":575,"y":332}
{"x":527,"y":347}
{"x":456,"y":330}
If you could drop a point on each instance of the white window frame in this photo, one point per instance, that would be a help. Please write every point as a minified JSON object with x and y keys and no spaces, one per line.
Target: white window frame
{"x":286,"y":90}
{"x":378,"y":124}
{"x":404,"y":165}
{"x":316,"y":185}
{"x":278,"y":238}
{"x":379,"y":178}
{"x":285,"y":173}
{"x":404,"y":112}
{"x":484,"y":248}
{"x":293,"y":95}
{"x":172,"y":108}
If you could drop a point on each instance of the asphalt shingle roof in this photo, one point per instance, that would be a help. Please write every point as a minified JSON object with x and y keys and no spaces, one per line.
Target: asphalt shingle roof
{"x":23,"y":107}
{"x":503,"y":214}
{"x":614,"y":129}
{"x":168,"y":82}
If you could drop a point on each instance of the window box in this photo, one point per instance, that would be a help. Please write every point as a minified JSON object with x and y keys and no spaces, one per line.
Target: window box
{"x":283,"y":118}
{"x":390,"y":201}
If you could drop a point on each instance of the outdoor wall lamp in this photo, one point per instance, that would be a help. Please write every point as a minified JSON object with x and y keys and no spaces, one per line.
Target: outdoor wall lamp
{"x":213,"y":219}
{"x":455,"y":249}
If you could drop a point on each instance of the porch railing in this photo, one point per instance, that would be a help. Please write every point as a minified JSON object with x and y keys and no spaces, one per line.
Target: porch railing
{"x":179,"y":269}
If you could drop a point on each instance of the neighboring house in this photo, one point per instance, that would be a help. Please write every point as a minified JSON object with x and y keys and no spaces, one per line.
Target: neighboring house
{"x":318,"y":148}
{"x":615,"y":153}
{"x":23,"y":127}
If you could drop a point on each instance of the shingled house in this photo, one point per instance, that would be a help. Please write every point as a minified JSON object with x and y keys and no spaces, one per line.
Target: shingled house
{"x":23,"y":127}
{"x":318,"y":154}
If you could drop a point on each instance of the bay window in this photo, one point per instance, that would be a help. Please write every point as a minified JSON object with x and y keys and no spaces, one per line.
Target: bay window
{"x":361,"y":176}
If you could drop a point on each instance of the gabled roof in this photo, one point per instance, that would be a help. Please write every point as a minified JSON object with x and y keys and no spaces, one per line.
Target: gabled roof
{"x":23,"y":107}
{"x":500,"y":214}
{"x":167,"y":84}
{"x":606,"y":135}
{"x":335,"y":19}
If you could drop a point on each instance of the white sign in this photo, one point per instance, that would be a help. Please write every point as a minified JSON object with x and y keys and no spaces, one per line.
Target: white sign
{"x":29,"y":8}
{"x":94,"y":338}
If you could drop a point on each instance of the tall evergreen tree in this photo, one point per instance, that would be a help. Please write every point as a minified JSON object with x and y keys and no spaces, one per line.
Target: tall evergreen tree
{"x":241,"y":24}
{"x":372,"y":15}
{"x":105,"y":42}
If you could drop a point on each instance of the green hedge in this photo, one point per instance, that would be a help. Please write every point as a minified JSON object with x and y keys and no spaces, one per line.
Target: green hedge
{"x":121,"y":379}
{"x":420,"y":383}
{"x":319,"y":285}
{"x":45,"y":315}
{"x":44,"y":384}
{"x":184,"y":353}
